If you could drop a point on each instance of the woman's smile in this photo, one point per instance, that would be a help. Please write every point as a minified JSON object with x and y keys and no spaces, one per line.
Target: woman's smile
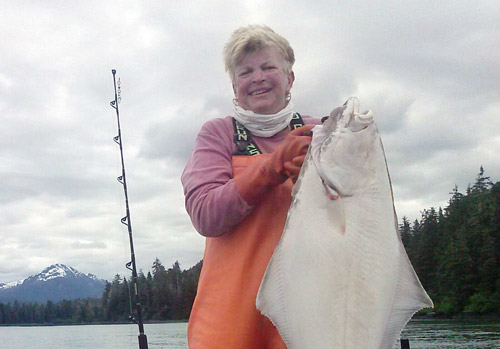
{"x":259,"y":92}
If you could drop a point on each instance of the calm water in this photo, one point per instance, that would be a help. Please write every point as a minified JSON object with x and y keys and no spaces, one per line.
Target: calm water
{"x":434,"y":334}
{"x":428,"y":334}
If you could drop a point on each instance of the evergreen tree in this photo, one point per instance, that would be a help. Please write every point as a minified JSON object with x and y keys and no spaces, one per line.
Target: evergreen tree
{"x":405,"y":232}
{"x":456,"y":251}
{"x":482,"y":183}
{"x":106,"y":314}
{"x":454,"y":287}
{"x":50,"y":312}
{"x":115,"y":309}
{"x":488,"y":266}
{"x":160,"y":292}
{"x":175,"y":292}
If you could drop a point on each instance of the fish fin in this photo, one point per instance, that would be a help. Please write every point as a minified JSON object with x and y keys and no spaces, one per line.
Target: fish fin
{"x":271,"y":296}
{"x":409,"y":298}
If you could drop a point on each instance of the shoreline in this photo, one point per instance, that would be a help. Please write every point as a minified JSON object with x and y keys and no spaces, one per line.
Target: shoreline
{"x":56,"y":324}
{"x":464,"y":317}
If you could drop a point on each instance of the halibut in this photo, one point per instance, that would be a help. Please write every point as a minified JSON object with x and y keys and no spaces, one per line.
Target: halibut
{"x":340,"y":277}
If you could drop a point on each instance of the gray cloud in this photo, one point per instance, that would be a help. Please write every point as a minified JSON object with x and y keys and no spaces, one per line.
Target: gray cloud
{"x":427,"y":69}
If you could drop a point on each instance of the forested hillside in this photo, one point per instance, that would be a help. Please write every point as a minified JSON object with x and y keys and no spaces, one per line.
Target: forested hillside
{"x":455,"y":251}
{"x":166,"y":294}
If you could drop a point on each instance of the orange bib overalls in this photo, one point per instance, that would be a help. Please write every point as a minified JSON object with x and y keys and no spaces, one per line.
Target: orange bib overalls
{"x":224,"y":315}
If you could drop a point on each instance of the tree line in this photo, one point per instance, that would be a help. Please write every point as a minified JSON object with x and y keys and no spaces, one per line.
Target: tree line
{"x":165,"y":294}
{"x":455,"y":251}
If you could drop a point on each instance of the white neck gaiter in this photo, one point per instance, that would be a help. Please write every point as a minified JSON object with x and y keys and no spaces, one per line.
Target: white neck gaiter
{"x":264,"y":125}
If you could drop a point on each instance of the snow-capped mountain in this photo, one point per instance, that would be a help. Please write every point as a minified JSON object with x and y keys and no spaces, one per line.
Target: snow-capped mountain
{"x":4,"y":286}
{"x":54,"y":283}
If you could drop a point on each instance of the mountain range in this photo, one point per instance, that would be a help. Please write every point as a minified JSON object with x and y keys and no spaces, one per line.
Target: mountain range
{"x":55,"y":283}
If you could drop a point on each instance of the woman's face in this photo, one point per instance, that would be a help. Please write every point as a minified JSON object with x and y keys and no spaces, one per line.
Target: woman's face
{"x":261,"y":82}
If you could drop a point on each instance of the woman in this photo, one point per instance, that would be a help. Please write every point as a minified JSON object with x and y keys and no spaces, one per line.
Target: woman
{"x":237,"y":186}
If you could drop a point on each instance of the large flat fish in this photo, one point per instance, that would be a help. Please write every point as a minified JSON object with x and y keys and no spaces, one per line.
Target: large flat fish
{"x":340,"y":277}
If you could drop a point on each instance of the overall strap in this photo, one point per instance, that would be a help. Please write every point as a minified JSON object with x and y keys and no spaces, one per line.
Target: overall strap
{"x":296,"y":121}
{"x":243,"y":138}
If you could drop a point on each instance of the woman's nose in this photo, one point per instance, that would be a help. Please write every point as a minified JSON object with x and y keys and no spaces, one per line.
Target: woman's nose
{"x":258,"y":76}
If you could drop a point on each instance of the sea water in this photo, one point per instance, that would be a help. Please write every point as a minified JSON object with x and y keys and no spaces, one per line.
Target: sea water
{"x":423,"y":334}
{"x":165,"y":335}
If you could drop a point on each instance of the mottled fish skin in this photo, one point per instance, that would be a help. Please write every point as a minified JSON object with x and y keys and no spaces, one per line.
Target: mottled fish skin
{"x":340,"y":277}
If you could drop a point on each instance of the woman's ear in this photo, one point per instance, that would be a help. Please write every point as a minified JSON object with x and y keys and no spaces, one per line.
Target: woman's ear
{"x":291,"y":79}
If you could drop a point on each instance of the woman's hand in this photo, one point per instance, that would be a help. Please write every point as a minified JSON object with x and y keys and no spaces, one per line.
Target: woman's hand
{"x":288,"y":158}
{"x":292,"y":168}
{"x":260,"y":177}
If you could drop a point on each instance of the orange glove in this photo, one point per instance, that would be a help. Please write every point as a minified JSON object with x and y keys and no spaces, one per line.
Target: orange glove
{"x":292,"y":168}
{"x":261,"y":176}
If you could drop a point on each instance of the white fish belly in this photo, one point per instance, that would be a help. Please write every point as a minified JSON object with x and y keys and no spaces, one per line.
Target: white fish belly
{"x":340,"y":277}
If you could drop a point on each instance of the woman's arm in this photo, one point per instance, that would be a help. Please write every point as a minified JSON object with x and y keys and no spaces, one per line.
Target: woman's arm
{"x":211,"y":198}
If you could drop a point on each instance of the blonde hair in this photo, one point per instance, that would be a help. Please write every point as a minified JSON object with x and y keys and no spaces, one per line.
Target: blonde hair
{"x":253,"y":38}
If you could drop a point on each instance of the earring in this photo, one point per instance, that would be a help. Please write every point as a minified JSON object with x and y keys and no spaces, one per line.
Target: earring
{"x":235,"y":102}
{"x":288,"y":97}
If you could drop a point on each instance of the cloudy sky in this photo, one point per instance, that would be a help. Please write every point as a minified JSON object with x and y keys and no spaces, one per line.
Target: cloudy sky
{"x":429,"y":70}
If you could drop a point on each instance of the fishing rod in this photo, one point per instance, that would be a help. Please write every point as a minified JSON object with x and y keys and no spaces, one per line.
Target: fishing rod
{"x":143,"y":341}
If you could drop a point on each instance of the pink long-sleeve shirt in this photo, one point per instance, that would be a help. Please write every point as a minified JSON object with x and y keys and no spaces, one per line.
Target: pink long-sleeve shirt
{"x":212,"y":200}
